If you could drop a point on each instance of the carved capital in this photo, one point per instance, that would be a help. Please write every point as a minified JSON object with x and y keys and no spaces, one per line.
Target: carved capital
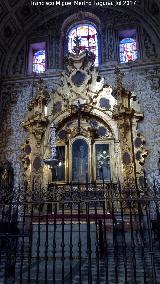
{"x":37,"y":126}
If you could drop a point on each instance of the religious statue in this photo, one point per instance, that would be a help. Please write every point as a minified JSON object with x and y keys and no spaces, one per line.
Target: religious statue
{"x":80,"y":160}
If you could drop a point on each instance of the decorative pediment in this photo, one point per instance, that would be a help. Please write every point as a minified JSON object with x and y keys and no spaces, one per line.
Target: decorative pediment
{"x":81,"y":81}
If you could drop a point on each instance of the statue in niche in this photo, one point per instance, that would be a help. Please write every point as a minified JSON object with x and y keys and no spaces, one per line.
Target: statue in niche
{"x":19,"y":64}
{"x":79,"y":160}
{"x":6,"y":174}
{"x":150,"y":50}
{"x":111,"y":46}
{"x":154,"y":9}
{"x":155,"y":83}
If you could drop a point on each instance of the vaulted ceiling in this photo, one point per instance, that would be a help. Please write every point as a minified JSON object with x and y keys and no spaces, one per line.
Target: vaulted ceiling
{"x":18,"y":18}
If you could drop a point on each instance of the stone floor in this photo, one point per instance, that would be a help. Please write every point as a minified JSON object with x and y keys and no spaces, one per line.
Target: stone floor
{"x":98,"y":270}
{"x":110,"y":269}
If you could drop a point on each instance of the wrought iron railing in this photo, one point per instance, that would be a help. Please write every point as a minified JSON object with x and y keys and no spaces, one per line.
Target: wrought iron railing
{"x":80,"y":234}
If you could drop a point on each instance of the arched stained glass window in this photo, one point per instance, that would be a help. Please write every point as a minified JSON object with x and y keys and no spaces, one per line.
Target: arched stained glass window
{"x":88,"y":35}
{"x":39,"y":58}
{"x":128,"y":50}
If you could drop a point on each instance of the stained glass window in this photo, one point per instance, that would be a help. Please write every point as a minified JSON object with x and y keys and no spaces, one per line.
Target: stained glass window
{"x":39,"y":58}
{"x":128,"y":50}
{"x":88,"y":35}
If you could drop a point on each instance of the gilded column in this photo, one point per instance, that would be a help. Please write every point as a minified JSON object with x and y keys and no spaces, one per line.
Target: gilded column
{"x":124,"y":113}
{"x":35,"y":123}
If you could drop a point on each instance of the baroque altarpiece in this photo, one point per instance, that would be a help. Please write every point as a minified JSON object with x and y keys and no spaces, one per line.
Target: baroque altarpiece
{"x":84,"y":131}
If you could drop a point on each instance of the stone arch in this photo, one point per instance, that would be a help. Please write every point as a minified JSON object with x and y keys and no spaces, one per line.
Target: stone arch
{"x":79,"y":18}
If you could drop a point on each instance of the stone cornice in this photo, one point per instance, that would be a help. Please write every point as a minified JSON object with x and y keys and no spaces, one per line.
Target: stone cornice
{"x":104,"y":69}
